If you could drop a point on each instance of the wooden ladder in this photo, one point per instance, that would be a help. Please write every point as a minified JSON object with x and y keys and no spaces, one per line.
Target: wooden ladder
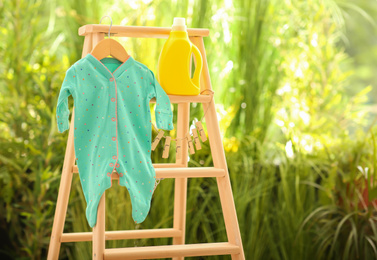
{"x":179,"y":170}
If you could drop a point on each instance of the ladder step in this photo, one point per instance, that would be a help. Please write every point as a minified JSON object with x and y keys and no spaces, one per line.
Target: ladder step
{"x":189,"y":172}
{"x":175,"y":99}
{"x":169,"y":251}
{"x":138,"y":31}
{"x":123,"y":234}
{"x":182,"y":172}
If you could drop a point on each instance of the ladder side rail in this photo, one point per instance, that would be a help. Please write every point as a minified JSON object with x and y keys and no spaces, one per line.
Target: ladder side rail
{"x":99,"y":229}
{"x":219,"y":160}
{"x":180,"y":184}
{"x":98,"y":234}
{"x":65,"y":182}
{"x":63,"y":198}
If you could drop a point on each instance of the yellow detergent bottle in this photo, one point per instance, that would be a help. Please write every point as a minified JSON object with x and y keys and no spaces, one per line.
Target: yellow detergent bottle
{"x":174,"y":63}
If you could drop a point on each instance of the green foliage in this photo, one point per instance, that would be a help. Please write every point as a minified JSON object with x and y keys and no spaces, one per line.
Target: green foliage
{"x":345,"y":227}
{"x":31,"y":150}
{"x":256,"y":72}
{"x":29,"y":164}
{"x":291,"y":121}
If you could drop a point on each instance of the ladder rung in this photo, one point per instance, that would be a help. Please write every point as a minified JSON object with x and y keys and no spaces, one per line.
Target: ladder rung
{"x":124,"y":234}
{"x":185,"y":172}
{"x":138,"y":31}
{"x":168,"y":165}
{"x":175,"y":99}
{"x":154,"y":252}
{"x":189,"y":172}
{"x":155,"y":165}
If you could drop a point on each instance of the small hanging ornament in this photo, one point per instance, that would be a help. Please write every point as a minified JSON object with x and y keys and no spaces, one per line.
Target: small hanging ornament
{"x":178,"y":149}
{"x":157,"y":139}
{"x":202,"y":134}
{"x":165,"y":154}
{"x":196,"y":139}
{"x":189,"y":142}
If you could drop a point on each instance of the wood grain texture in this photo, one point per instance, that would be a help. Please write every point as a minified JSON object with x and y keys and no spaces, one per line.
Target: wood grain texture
{"x":136,"y":31}
{"x":65,"y":182}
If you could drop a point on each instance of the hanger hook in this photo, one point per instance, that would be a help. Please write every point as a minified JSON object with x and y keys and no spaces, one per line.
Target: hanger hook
{"x":111,"y":23}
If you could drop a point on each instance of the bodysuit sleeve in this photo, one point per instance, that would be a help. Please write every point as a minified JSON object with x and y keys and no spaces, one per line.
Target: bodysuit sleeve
{"x":163,"y":112}
{"x":67,"y":89}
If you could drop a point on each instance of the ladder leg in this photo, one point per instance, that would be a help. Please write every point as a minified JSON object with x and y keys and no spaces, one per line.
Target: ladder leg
{"x":180,"y":188}
{"x":65,"y":182}
{"x":87,"y":45}
{"x":63,"y":197}
{"x":99,"y":231}
{"x":219,"y":160}
{"x":223,"y":183}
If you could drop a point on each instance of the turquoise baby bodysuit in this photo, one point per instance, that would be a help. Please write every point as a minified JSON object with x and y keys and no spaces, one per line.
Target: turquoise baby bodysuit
{"x":113,"y":127}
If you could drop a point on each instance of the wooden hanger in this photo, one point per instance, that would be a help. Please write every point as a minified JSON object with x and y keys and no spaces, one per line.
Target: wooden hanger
{"x":111,"y":47}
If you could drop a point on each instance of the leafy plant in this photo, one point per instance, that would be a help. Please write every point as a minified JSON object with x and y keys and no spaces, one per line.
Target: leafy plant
{"x":346,"y":227}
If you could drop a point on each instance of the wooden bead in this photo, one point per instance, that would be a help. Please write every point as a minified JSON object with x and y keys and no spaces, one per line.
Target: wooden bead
{"x":157,"y":139}
{"x":202,"y":134}
{"x":166,"y":147}
{"x":178,"y":149}
{"x":196,"y":139}
{"x":189,"y":142}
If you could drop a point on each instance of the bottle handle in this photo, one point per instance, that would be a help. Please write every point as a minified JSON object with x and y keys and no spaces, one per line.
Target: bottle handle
{"x":198,"y":66}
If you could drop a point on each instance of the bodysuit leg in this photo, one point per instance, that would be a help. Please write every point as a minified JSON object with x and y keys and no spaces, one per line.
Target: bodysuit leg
{"x":139,"y":177}
{"x":94,"y":181}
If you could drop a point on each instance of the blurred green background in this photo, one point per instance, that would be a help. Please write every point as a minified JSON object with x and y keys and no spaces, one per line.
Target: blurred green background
{"x":295,"y":90}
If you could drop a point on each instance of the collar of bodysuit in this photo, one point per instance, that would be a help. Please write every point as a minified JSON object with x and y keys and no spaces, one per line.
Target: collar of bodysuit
{"x":105,"y":71}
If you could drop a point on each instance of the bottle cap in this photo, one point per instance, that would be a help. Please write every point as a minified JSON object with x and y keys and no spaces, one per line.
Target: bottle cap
{"x":179,"y":24}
